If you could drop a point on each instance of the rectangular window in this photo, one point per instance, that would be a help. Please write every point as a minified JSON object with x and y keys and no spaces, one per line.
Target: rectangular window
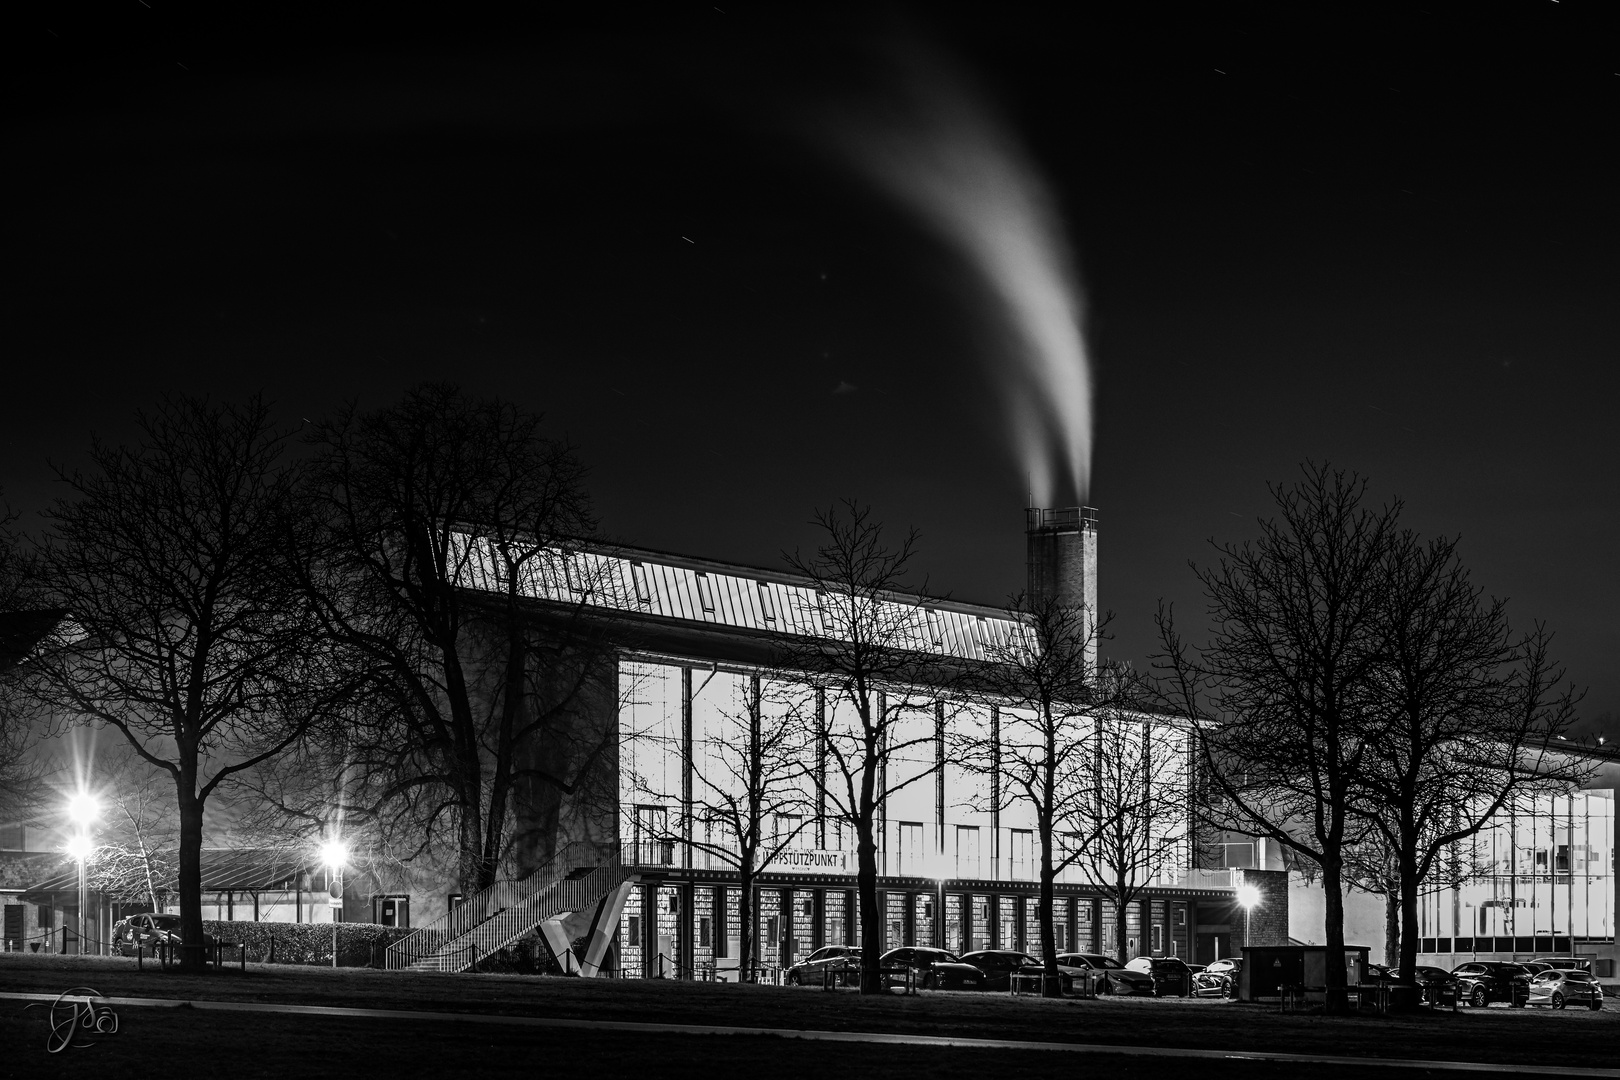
{"x":47,"y":917}
{"x":633,"y":930}
{"x":790,"y":827}
{"x":767,"y":603}
{"x":653,"y":844}
{"x":823,"y":613}
{"x":638,"y":581}
{"x":936,"y":634}
{"x":703,"y":933}
{"x":1158,"y":938}
{"x":12,"y":838}
{"x":1240,"y":856}
{"x":574,"y":575}
{"x":910,"y":840}
{"x":967,"y":851}
{"x":1023,"y":847}
{"x":705,"y":597}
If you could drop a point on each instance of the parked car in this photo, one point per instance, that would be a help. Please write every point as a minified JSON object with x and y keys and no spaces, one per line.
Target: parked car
{"x":1483,"y":981}
{"x":1169,"y":973}
{"x":998,"y":966}
{"x":1218,"y":979}
{"x":1107,"y":975}
{"x":1560,"y":988}
{"x":931,"y":969}
{"x":1436,"y":986}
{"x":145,"y":931}
{"x":843,"y":962}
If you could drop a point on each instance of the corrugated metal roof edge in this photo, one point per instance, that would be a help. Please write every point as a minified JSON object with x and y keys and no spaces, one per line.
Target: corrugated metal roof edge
{"x":782,"y":577}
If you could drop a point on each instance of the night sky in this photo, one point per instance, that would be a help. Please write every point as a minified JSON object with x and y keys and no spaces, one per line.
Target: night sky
{"x":1385,"y":237}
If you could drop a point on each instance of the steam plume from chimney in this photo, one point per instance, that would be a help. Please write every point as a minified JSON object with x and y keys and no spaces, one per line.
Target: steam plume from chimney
{"x":941,"y":151}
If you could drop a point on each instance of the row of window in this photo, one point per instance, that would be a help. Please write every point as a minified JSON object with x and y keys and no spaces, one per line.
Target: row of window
{"x":652,"y":830}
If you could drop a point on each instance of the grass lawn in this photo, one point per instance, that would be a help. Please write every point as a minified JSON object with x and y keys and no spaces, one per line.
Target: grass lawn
{"x":182,"y":1041}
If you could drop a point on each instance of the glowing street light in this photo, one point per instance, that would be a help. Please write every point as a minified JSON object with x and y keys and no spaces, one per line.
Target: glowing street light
{"x":1249,"y":897}
{"x":334,"y":853}
{"x":82,"y":809}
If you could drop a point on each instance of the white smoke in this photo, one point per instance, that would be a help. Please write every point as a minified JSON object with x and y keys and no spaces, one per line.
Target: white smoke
{"x":939,"y":149}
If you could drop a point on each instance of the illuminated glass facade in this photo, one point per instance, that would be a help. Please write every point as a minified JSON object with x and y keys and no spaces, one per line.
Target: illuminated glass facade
{"x":1541,"y":880}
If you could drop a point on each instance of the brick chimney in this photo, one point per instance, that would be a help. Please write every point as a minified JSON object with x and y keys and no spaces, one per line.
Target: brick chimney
{"x":1062,"y":545}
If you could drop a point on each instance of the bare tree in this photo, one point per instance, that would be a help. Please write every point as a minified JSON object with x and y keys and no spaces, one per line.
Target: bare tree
{"x":444,"y":523}
{"x":750,"y":798}
{"x":136,"y":859}
{"x":869,"y":659}
{"x":24,"y":626}
{"x":189,"y":638}
{"x":1279,"y":694}
{"x":1042,"y":681}
{"x":1129,"y":819}
{"x":1461,"y":718}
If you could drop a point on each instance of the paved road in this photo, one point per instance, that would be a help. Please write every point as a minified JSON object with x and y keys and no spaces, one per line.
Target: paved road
{"x":828,"y":1036}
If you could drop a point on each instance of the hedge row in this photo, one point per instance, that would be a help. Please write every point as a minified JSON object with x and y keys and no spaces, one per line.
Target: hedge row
{"x":358,"y":944}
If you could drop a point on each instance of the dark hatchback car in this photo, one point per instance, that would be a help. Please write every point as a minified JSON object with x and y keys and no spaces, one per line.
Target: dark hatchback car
{"x":998,"y":966}
{"x":1436,"y":986}
{"x":931,"y":969}
{"x":1218,"y":979}
{"x":1171,"y":977}
{"x":1481,"y":982}
{"x":145,"y":932}
{"x":840,"y":963}
{"x":1107,"y":975}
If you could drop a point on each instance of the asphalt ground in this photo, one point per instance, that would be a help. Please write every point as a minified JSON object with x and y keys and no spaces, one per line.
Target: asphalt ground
{"x":249,"y":1044}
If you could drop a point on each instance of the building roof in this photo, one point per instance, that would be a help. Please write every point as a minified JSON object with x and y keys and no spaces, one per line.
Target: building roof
{"x":708,"y":595}
{"x":223,"y":870}
{"x":22,"y":631}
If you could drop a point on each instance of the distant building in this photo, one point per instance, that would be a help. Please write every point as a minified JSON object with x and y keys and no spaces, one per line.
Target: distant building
{"x":956,"y":870}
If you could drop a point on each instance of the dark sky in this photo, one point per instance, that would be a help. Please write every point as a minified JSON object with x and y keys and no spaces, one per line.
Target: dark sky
{"x":1386,"y":237}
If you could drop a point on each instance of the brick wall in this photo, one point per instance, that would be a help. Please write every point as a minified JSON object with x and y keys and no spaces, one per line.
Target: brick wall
{"x":1268,"y":921}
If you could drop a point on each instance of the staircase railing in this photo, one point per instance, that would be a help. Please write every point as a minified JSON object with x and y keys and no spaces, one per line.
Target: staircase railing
{"x":488,"y":921}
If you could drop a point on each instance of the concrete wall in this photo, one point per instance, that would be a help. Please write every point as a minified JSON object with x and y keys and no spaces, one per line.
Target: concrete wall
{"x":1307,"y":916}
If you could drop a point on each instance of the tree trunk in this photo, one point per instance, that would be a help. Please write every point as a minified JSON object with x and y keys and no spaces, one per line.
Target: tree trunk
{"x":512,"y":701}
{"x":1392,"y":926}
{"x":1051,"y":983}
{"x":1409,"y":912}
{"x":1338,"y":999}
{"x":871,"y":919}
{"x":190,"y":879}
{"x":745,"y":921}
{"x":1121,"y":931}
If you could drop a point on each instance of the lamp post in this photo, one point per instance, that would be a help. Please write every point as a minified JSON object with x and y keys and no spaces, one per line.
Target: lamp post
{"x":1249,"y":897}
{"x":334,"y":853}
{"x":82,"y":810}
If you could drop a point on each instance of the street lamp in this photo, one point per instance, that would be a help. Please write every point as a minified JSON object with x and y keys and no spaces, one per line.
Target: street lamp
{"x":1249,"y":897}
{"x":334,"y":853}
{"x":82,"y":810}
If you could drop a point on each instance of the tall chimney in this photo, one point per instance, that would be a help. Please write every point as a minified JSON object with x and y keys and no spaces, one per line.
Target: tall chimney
{"x":1063,"y":562}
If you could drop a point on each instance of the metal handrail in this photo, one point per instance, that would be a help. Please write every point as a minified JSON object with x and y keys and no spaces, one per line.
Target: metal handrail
{"x":490,"y":920}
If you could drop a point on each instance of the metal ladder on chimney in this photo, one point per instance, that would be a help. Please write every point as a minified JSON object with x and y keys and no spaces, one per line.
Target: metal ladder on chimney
{"x":571,"y":897}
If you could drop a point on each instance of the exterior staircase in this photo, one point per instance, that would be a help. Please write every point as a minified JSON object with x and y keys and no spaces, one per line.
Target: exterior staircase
{"x":562,"y":900}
